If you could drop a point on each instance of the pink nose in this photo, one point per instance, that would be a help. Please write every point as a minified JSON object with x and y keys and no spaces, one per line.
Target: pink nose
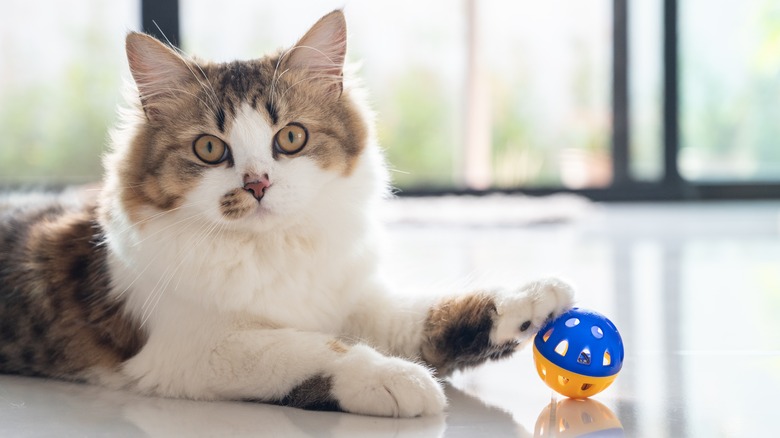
{"x":256,"y":185}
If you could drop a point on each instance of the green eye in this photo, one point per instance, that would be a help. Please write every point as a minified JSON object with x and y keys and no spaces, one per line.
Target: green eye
{"x":210,"y":149}
{"x":291,"y":139}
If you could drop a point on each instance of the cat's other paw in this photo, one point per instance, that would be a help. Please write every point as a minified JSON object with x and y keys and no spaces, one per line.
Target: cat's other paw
{"x":521,"y":313}
{"x":372,"y":384}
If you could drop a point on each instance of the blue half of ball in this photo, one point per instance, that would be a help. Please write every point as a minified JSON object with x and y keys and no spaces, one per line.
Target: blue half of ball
{"x":583,"y":342}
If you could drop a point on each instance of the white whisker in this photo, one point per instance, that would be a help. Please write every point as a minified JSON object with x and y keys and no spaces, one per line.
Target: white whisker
{"x":153,"y":259}
{"x":152,"y":297}
{"x":160,"y":214}
{"x":311,"y":78}
{"x":275,"y":80}
{"x":210,"y":93}
{"x":164,"y":228}
{"x":199,"y":238}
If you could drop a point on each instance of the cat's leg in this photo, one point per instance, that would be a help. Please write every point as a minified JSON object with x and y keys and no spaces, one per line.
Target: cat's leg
{"x":289,"y":367}
{"x":463,"y":331}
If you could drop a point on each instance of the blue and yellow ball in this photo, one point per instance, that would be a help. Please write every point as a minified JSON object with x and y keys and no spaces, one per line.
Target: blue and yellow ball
{"x":579,"y":353}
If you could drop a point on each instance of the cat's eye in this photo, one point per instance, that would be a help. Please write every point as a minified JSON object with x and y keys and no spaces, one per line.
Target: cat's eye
{"x":210,"y":149}
{"x":291,"y":139}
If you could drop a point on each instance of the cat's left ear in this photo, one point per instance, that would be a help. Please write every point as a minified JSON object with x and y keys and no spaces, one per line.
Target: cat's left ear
{"x":322,"y":50}
{"x":158,"y":72}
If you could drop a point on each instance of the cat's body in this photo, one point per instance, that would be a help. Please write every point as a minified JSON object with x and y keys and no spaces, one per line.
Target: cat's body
{"x":232,"y":252}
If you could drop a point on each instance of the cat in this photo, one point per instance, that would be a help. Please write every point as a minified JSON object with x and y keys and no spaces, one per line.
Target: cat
{"x":231,"y":252}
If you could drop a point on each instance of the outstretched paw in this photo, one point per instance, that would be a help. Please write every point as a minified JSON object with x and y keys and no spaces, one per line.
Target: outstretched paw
{"x":520,"y":314}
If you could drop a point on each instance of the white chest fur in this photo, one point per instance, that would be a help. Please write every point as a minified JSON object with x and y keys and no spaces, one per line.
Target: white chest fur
{"x":305,"y":278}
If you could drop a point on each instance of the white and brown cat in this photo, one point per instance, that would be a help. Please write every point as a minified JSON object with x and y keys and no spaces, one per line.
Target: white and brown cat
{"x":232,"y":255}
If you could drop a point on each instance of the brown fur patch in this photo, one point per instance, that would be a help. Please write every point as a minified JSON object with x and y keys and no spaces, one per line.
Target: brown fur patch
{"x":313,"y":394}
{"x":337,"y":346}
{"x":158,"y":170}
{"x":57,"y":318}
{"x":236,"y":204}
{"x":457,"y":334}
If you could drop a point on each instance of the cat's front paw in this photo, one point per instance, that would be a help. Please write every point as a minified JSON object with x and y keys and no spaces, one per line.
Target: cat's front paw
{"x":372,"y":384}
{"x":520,"y":314}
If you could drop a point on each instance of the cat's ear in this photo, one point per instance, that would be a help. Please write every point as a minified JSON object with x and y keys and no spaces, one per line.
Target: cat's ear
{"x":157,"y":70}
{"x":322,"y":50}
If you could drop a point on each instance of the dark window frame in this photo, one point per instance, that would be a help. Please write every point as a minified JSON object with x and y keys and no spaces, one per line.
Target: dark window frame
{"x":161,"y":19}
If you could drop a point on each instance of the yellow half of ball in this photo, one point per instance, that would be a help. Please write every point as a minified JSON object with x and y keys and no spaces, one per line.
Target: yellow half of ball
{"x":568,"y":383}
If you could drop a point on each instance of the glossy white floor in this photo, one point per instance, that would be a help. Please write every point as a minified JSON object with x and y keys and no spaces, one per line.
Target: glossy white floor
{"x":693,"y":288}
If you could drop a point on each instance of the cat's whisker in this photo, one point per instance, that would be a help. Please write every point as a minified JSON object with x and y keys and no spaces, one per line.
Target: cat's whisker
{"x":330,"y":63}
{"x":334,"y":78}
{"x":171,"y":91}
{"x":184,"y":58}
{"x":166,"y":228}
{"x":119,"y":296}
{"x":153,"y":259}
{"x":392,"y":169}
{"x":210,"y":90}
{"x":162,"y":213}
{"x":204,"y":237}
{"x":131,"y":186}
{"x":135,"y":225}
{"x":198,"y":239}
{"x":275,"y":80}
{"x":282,"y":74}
{"x":217,"y":237}
{"x":156,"y":290}
{"x":141,"y":78}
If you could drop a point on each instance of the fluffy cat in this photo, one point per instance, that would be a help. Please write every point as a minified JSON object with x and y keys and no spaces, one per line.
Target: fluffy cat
{"x":231,"y":253}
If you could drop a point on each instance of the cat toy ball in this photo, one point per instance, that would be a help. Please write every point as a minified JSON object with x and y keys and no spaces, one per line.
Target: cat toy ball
{"x":579,"y":353}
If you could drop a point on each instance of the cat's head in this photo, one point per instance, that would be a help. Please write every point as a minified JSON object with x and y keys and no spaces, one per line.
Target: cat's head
{"x":246,"y":144}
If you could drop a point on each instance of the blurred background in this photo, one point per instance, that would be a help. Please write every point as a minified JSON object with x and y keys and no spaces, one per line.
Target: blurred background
{"x":658,"y":99}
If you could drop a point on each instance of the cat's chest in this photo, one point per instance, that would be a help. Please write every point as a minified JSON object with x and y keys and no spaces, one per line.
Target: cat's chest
{"x":294,"y":281}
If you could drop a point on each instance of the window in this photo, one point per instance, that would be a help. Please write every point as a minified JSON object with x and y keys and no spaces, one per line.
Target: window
{"x":59,"y":89}
{"x":657,"y":99}
{"x":544,"y":67}
{"x":730,"y":82}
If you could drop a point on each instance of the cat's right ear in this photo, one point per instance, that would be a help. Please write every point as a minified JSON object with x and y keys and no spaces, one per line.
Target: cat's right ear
{"x":158,"y":71}
{"x":322,"y":50}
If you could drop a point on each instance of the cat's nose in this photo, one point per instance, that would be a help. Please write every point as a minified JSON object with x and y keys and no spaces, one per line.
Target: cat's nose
{"x":256,"y":185}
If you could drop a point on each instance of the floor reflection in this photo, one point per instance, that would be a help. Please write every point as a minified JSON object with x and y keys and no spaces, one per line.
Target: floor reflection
{"x":40,"y":407}
{"x":571,"y":418}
